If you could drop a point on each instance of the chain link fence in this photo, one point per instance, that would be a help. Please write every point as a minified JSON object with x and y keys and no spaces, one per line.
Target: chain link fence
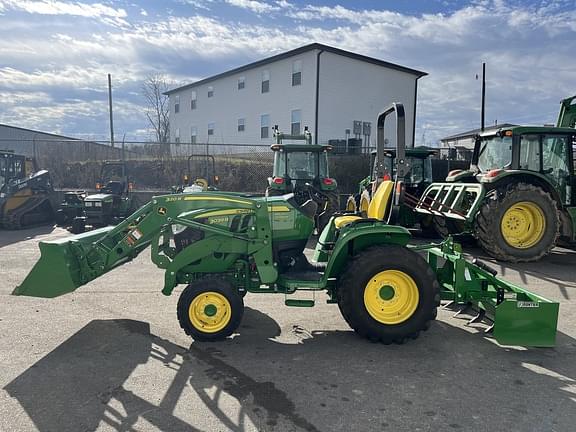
{"x":75,"y":164}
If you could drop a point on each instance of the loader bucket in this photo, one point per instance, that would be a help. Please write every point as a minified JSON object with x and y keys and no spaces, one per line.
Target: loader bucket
{"x":59,"y":269}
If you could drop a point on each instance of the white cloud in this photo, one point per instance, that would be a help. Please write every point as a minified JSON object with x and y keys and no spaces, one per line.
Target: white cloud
{"x":255,"y":6}
{"x":529,"y":51}
{"x":50,"y":7}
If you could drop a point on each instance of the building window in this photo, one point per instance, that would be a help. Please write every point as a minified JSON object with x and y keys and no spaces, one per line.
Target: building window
{"x":264,"y":125}
{"x":176,"y":104}
{"x":211,"y":127}
{"x":241,"y":124}
{"x":210,"y":91}
{"x":193,"y":101}
{"x":193,"y":134}
{"x":296,"y":119}
{"x":297,"y":73}
{"x":265,"y":81}
{"x":177,"y":136}
{"x":241,"y":83}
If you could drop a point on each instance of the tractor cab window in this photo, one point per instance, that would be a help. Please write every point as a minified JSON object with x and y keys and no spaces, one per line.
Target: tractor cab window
{"x":387,"y":165}
{"x":421,"y":170}
{"x":495,"y":152}
{"x":323,"y":164}
{"x":530,"y":152}
{"x":555,"y":150}
{"x":11,"y":168}
{"x":302,"y":166}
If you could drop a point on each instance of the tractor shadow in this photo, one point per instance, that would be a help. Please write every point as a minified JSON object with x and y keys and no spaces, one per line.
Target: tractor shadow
{"x":115,"y":374}
{"x":10,"y":237}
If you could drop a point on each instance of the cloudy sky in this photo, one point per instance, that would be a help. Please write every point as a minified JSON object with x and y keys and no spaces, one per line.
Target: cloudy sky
{"x":55,"y":55}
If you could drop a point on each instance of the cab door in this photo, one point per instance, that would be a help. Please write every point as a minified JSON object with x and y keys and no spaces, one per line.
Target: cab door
{"x":557,"y":164}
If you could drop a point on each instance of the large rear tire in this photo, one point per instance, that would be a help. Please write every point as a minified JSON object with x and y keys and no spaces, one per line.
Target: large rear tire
{"x":388,"y":294}
{"x":518,"y":224}
{"x":210,"y":310}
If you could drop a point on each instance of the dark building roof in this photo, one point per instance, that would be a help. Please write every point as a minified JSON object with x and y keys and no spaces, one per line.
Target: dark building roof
{"x":62,"y":137}
{"x":297,"y":51}
{"x":476,"y":132}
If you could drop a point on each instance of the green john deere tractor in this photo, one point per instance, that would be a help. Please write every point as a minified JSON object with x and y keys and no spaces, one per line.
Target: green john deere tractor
{"x":519,"y":196}
{"x":296,"y":167}
{"x":26,"y":193}
{"x":419,"y":172}
{"x":223,"y":245}
{"x":113,"y":202}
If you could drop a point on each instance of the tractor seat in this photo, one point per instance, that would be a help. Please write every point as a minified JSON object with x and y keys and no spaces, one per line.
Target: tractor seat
{"x":376,"y":210}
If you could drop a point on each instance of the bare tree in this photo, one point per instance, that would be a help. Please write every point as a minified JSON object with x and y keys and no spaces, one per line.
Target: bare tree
{"x":157,"y":106}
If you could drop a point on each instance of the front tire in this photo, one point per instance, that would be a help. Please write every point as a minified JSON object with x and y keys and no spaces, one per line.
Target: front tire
{"x":388,"y":294}
{"x":210,"y":310}
{"x":518,"y":224}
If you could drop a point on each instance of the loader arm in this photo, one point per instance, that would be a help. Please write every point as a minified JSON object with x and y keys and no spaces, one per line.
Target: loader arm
{"x":66,"y":264}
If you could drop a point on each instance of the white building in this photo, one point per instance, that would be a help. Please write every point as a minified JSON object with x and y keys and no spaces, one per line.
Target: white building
{"x":324,"y":88}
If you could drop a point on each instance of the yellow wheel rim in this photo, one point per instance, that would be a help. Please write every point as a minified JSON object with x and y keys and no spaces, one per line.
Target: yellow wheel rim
{"x":210,"y":312}
{"x":364,"y":204}
{"x":523,"y":225}
{"x":391,"y":297}
{"x":351,"y":204}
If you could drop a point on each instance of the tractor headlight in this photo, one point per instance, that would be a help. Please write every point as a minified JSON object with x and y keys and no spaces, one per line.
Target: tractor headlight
{"x":98,"y":203}
{"x":88,"y":203}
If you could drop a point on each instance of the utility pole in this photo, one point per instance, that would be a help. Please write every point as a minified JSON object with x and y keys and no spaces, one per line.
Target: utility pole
{"x":483,"y":97}
{"x":110,"y":109}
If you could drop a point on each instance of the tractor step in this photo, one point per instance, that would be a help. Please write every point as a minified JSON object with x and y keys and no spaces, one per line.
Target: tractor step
{"x":299,"y":303}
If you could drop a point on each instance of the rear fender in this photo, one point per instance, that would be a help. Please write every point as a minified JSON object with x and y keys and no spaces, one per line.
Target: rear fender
{"x":360,"y":236}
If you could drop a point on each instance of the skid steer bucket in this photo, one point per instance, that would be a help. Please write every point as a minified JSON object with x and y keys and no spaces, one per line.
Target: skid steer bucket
{"x":60,"y":267}
{"x":517,"y":316}
{"x":458,"y":201}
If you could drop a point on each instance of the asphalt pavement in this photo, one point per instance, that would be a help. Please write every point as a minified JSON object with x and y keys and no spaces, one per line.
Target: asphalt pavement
{"x":112,"y":357}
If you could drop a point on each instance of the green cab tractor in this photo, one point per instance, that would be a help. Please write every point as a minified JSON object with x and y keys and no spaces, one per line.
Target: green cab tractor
{"x":296,"y":166}
{"x":222,"y":245}
{"x":422,"y":168}
{"x":26,"y":193}
{"x":113,"y":202}
{"x":518,"y":198}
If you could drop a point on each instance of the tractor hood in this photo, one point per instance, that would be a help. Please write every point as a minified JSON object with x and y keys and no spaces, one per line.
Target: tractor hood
{"x":100,"y":197}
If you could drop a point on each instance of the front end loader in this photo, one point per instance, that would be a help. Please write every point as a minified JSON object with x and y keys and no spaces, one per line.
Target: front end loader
{"x":224,"y":245}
